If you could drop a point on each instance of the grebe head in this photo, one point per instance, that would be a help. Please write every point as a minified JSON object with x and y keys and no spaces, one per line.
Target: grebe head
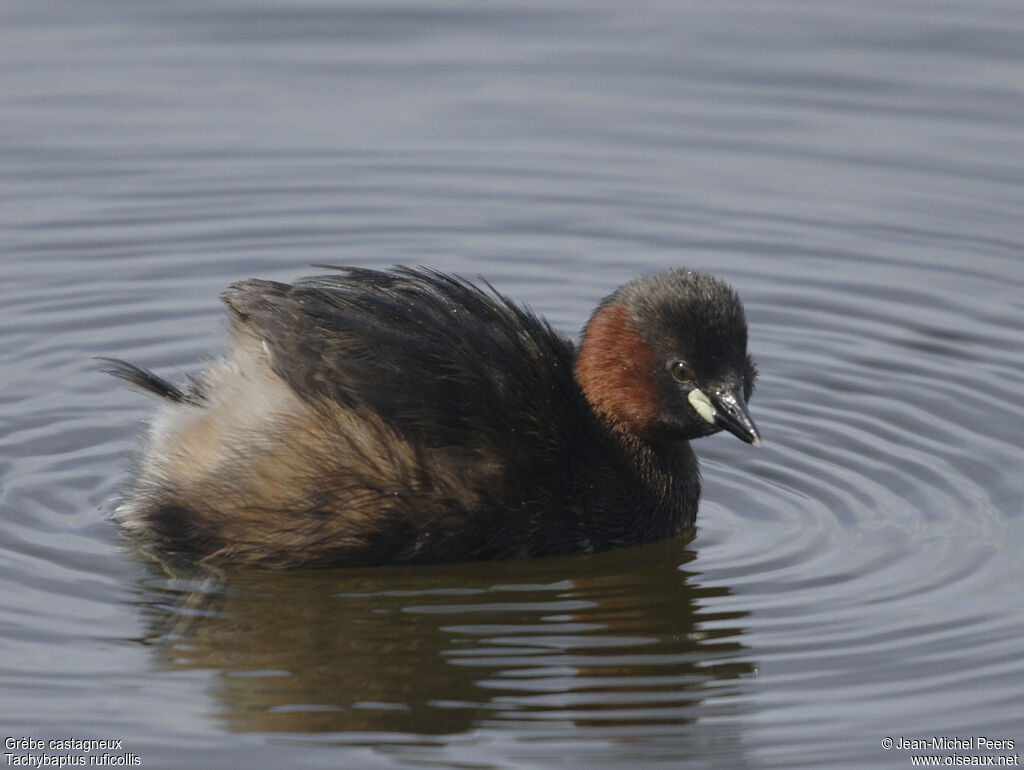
{"x":665,"y":358}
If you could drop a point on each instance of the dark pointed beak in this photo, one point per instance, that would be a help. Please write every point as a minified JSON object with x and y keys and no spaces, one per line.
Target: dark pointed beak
{"x":731,"y":413}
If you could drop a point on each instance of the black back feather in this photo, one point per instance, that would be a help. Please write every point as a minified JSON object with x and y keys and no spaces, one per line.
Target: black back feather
{"x":443,"y":362}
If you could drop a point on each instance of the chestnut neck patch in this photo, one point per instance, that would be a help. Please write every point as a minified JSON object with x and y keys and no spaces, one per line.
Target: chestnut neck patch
{"x":616,"y":369}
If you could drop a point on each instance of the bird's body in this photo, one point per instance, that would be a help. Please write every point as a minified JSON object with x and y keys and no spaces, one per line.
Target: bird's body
{"x":367,"y":417}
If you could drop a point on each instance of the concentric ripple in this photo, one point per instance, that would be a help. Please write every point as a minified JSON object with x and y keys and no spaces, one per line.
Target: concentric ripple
{"x":855,"y":172}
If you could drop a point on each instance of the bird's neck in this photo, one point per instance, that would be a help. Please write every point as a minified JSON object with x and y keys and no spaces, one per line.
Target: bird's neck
{"x":614,"y":368}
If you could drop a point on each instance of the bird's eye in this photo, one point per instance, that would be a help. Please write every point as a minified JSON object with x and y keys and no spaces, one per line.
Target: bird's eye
{"x":681,"y":372}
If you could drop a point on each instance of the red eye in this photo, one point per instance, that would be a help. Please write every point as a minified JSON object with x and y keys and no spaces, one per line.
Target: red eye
{"x":681,"y":372}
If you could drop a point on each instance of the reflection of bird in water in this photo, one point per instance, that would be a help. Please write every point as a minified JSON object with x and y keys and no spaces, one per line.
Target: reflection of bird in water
{"x":443,"y":650}
{"x":407,"y":416}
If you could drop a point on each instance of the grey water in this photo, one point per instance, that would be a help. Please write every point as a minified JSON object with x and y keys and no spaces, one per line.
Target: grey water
{"x":855,"y":170}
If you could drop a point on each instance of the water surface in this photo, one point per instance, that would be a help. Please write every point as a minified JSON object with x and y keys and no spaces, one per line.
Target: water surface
{"x":856,"y":172}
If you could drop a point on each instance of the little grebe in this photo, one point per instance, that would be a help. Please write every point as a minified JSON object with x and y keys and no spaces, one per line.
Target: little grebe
{"x":367,"y":417}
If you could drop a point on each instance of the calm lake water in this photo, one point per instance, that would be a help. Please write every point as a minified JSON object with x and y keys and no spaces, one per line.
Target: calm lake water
{"x":855,"y":170}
